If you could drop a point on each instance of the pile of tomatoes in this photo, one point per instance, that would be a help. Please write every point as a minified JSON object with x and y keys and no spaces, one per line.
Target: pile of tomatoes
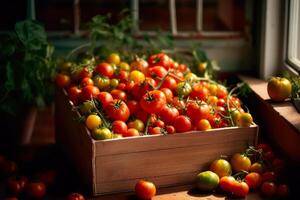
{"x":255,"y":169}
{"x":150,"y":96}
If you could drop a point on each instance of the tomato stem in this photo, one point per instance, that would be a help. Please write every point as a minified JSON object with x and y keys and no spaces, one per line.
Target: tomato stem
{"x":147,"y":125}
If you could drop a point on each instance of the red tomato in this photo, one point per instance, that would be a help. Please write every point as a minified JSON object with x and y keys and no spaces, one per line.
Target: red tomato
{"x":155,"y":130}
{"x":88,"y":92}
{"x":170,"y":83}
{"x":264,"y":147}
{"x":36,"y":190}
{"x":182,"y":123}
{"x":105,"y":98}
{"x":119,"y":127}
{"x":203,"y":125}
{"x":240,"y":189}
{"x":133,"y":106}
{"x":178,"y":104}
{"x":145,"y":189}
{"x":269,"y":155}
{"x":86,"y":81}
{"x":62,"y":80}
{"x":226,"y":183}
{"x":182,"y":67}
{"x":105,"y":69}
{"x":282,"y":190}
{"x":118,"y":94}
{"x":142,"y":115}
{"x":159,"y":123}
{"x":131,"y":132}
{"x":196,"y":111}
{"x":170,"y":129}
{"x":85,"y":73}
{"x":168,"y":93}
{"x":268,"y":176}
{"x":221,"y":92}
{"x":168,"y":114}
{"x":122,"y":76}
{"x":121,"y":86}
{"x":268,"y":188}
{"x":117,"y":110}
{"x":139,"y":64}
{"x":153,"y":101}
{"x":253,"y":180}
{"x":139,"y":90}
{"x":199,"y":92}
{"x":160,"y":59}
{"x":234,"y":102}
{"x":74,"y":93}
{"x":157,"y":72}
{"x":75,"y":196}
{"x":221,"y":102}
{"x":15,"y":185}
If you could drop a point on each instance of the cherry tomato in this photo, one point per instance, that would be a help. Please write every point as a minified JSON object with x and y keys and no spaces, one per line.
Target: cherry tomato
{"x":145,"y":189}
{"x":137,"y":124}
{"x":131,"y":132}
{"x":282,"y":190}
{"x":93,"y":121}
{"x":15,"y":185}
{"x":74,"y":93}
{"x":170,"y":129}
{"x":122,"y":76}
{"x":139,"y":64}
{"x":168,"y":114}
{"x":105,"y":69}
{"x":136,"y":76}
{"x":102,"y":134}
{"x":244,"y":120}
{"x":157,"y":72}
{"x":105,"y":98}
{"x":269,"y":176}
{"x":179,"y":104}
{"x":168,"y":93}
{"x":240,"y":189}
{"x":170,"y":83}
{"x":226,"y":183}
{"x":199,"y":92}
{"x":75,"y":196}
{"x":279,"y":88}
{"x":117,"y":110}
{"x":253,"y":180}
{"x":183,"y":89}
{"x":62,"y":80}
{"x":159,"y":123}
{"x":86,"y":81}
{"x":203,"y":125}
{"x":118,"y":94}
{"x":89,"y":92}
{"x":182,"y":123}
{"x":221,"y":167}
{"x":268,"y":189}
{"x":212,"y":100}
{"x":36,"y":190}
{"x":160,"y":59}
{"x":85,"y":73}
{"x":197,"y":111}
{"x":155,"y":130}
{"x":264,"y":147}
{"x":257,"y":167}
{"x":153,"y":101}
{"x":221,"y":92}
{"x":114,"y":58}
{"x":240,"y":162}
{"x":119,"y":127}
{"x":269,"y":155}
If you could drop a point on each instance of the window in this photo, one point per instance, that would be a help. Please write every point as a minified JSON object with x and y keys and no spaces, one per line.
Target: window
{"x":293,"y":43}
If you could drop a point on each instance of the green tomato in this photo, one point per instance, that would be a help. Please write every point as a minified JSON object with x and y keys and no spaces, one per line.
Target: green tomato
{"x":87,"y":107}
{"x":137,"y":124}
{"x":207,"y":181}
{"x":116,"y":136}
{"x":114,"y":83}
{"x":102,"y":83}
{"x":102,"y":134}
{"x":183,"y":89}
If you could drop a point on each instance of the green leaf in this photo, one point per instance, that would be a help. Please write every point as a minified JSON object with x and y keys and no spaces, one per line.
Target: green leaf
{"x":31,"y":34}
{"x":9,"y":83}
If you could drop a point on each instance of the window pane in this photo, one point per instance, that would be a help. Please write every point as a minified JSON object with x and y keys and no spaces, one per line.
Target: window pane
{"x":55,"y":14}
{"x":154,"y":15}
{"x":186,"y":15}
{"x":11,"y":12}
{"x":223,"y":15}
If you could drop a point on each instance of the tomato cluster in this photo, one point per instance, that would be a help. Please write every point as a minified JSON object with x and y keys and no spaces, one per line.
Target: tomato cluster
{"x":255,"y":169}
{"x":152,"y":96}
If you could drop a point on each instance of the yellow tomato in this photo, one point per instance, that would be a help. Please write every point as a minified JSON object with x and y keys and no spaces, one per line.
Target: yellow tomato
{"x":137,"y":76}
{"x":244,"y":120}
{"x":221,"y":167}
{"x":279,"y":88}
{"x":240,"y":162}
{"x":114,"y":58}
{"x":93,"y":121}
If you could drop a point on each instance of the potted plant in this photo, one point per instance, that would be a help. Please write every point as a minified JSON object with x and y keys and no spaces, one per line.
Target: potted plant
{"x":26,"y":72}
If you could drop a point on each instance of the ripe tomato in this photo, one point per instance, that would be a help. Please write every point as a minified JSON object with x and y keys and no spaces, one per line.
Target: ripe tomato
{"x":118,"y":94}
{"x":226,"y":183}
{"x":183,"y":89}
{"x":142,"y":115}
{"x":244,"y":120}
{"x":136,"y":76}
{"x":168,"y":93}
{"x":86,"y":81}
{"x":168,"y":114}
{"x":155,"y":130}
{"x":75,"y":196}
{"x":257,"y":167}
{"x":221,"y":92}
{"x":74,"y":93}
{"x":253,"y":180}
{"x":160,"y":59}
{"x":157,"y":72}
{"x":269,"y":155}
{"x":93,"y":121}
{"x":89,"y":92}
{"x":170,"y":129}
{"x":203,"y":125}
{"x":119,"y":127}
{"x":170,"y":83}
{"x":153,"y":101}
{"x":282,"y":190}
{"x":102,"y":134}
{"x":114,"y":58}
{"x":122,"y":75}
{"x":240,"y":162}
{"x":140,"y":65}
{"x":279,"y":88}
{"x":36,"y":190}
{"x":269,"y":176}
{"x":159,"y":123}
{"x":117,"y":110}
{"x":145,"y":189}
{"x":138,"y":90}
{"x":264,"y":147}
{"x":182,"y":123}
{"x":179,"y":104}
{"x":221,"y":102}
{"x":15,"y":185}
{"x":268,"y":188}
{"x":199,"y":92}
{"x":105,"y":98}
{"x":85,"y":73}
{"x":133,"y":106}
{"x":131,"y":132}
{"x":234,"y":102}
{"x":221,"y":167}
{"x":197,"y":111}
{"x":124,"y":66}
{"x":62,"y":80}
{"x":105,"y":69}
{"x":212,"y":100}
{"x":240,"y":189}
{"x":137,"y":124}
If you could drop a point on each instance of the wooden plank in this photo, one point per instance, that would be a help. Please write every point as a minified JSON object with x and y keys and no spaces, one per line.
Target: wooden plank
{"x":162,"y":162}
{"x":148,"y":143}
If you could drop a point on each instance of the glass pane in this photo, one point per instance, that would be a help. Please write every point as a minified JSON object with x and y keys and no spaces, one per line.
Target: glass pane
{"x":186,"y":15}
{"x":223,"y":15}
{"x":10,"y":13}
{"x":154,"y":15}
{"x":55,"y":14}
{"x":91,"y":8}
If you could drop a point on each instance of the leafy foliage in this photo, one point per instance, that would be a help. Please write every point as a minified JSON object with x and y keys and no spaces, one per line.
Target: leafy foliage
{"x":26,"y":68}
{"x":295,"y":81}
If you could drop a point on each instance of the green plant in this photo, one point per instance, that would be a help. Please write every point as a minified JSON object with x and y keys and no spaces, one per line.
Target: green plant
{"x":26,"y":68}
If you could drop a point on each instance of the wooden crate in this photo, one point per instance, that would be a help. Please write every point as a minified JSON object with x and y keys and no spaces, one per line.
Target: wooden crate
{"x":112,"y":166}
